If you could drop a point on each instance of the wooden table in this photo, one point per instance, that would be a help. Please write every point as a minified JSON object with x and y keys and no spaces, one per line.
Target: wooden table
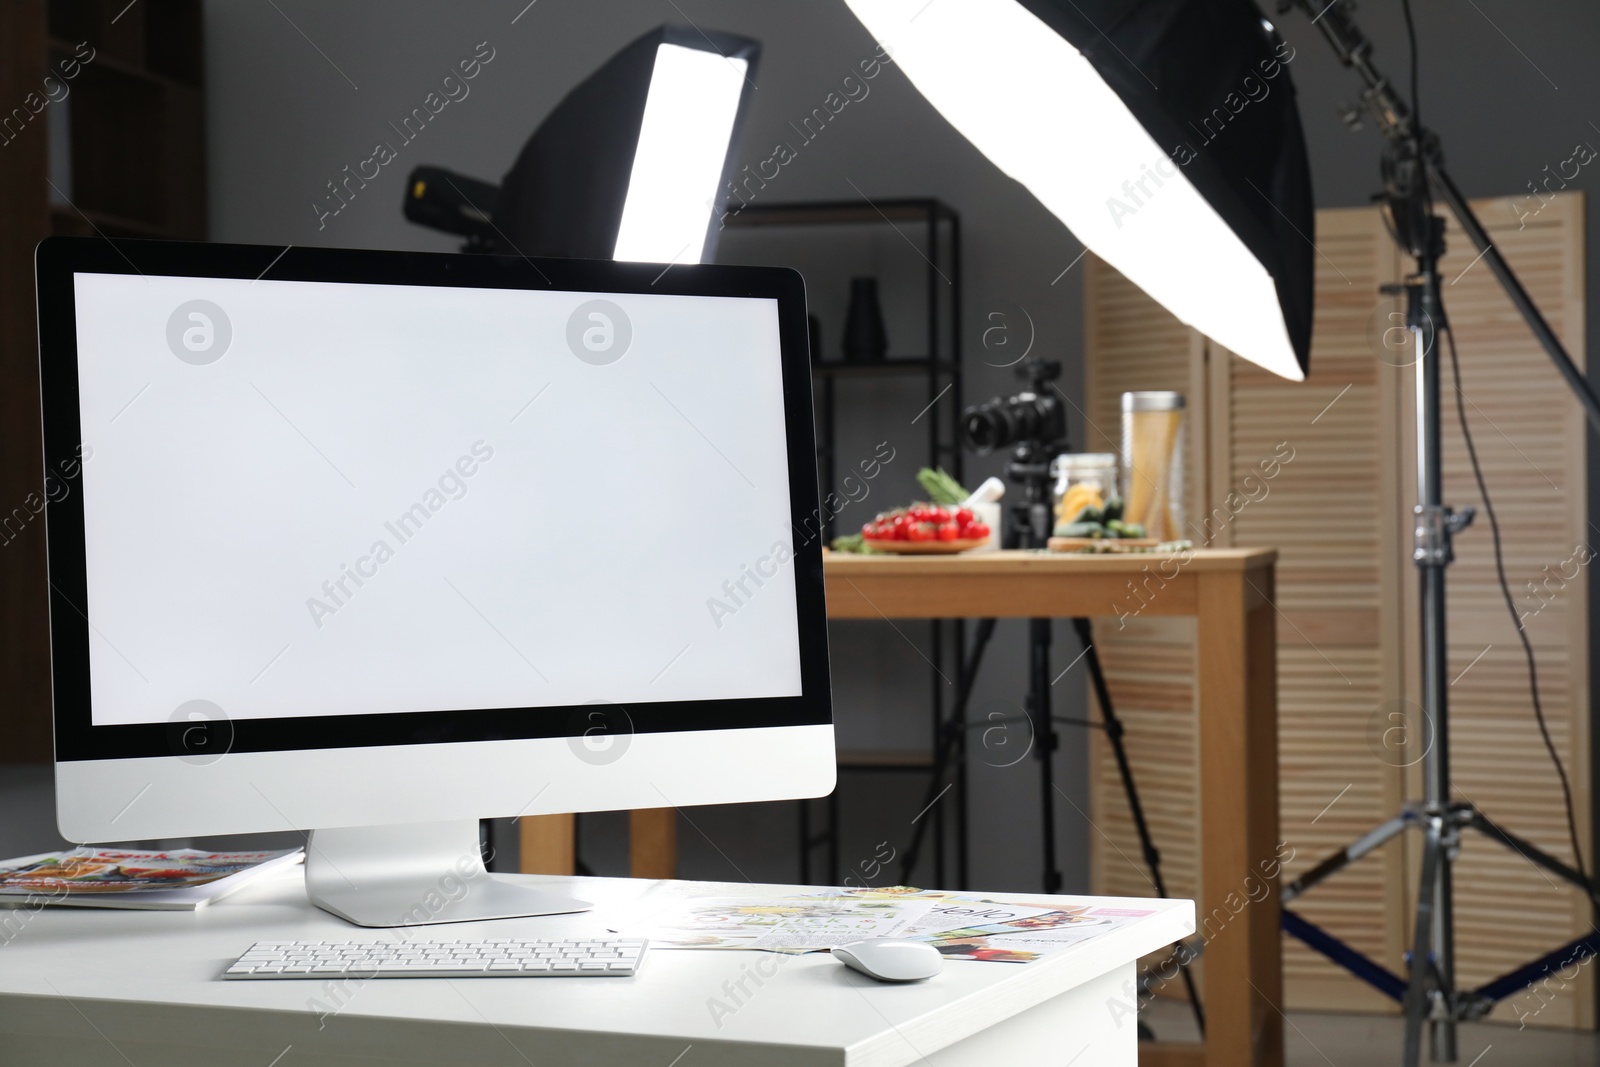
{"x":1229,"y":592}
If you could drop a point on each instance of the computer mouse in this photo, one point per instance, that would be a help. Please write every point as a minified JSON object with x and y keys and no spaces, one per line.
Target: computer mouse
{"x":890,"y":959}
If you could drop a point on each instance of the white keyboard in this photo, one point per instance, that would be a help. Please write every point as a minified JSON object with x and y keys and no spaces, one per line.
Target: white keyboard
{"x":477,"y":958}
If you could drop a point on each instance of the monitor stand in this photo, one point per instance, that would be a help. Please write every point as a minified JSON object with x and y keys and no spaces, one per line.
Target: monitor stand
{"x":415,"y":874}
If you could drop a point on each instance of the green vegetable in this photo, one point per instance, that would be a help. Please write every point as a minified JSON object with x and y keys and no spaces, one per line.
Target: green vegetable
{"x":1091,"y":514}
{"x":1113,"y":508}
{"x":1118,"y":528}
{"x":1080,"y":529}
{"x":940,"y":487}
{"x":854,"y":543}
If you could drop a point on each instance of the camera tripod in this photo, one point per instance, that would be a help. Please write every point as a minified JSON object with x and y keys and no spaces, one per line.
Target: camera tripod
{"x":1413,"y":170}
{"x":1030,"y":522}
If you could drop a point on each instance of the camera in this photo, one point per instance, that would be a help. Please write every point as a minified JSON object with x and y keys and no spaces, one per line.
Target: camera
{"x":1032,"y":416}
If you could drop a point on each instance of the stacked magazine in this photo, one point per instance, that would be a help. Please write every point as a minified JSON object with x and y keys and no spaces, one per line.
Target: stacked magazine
{"x":178,"y":880}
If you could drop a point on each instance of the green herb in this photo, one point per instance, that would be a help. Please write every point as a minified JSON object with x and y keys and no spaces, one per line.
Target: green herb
{"x":940,"y":487}
{"x":854,"y":543}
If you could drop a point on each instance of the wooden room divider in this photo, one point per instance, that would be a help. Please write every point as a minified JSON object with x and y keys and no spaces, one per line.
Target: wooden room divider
{"x":1323,"y":471}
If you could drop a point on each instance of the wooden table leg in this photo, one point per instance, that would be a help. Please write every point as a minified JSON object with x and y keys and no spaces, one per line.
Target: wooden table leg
{"x":653,"y":843}
{"x":548,"y":844}
{"x":1238,"y":915}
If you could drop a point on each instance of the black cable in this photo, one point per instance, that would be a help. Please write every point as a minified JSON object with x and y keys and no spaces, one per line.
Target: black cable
{"x":1516,"y":620}
{"x":1416,"y":97}
{"x":1416,"y":107}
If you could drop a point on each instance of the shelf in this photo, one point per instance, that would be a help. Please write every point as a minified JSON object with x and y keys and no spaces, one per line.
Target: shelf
{"x":888,"y":368}
{"x":839,"y":212}
{"x":106,"y":61}
{"x":159,"y":42}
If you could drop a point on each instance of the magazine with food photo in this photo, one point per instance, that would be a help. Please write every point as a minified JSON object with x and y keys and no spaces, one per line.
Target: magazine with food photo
{"x":176,"y":880}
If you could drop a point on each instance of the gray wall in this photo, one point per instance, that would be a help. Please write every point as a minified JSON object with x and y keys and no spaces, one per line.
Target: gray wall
{"x":285,"y":116}
{"x":283,"y":121}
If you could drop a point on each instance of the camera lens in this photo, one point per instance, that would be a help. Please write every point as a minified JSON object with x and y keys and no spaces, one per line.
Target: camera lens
{"x":1003,"y":423}
{"x":984,"y":427}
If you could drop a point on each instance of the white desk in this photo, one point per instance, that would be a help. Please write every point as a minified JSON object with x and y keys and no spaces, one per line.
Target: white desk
{"x":82,"y":986}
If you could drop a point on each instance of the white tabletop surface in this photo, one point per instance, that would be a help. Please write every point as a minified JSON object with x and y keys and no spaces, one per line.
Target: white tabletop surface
{"x":142,"y":981}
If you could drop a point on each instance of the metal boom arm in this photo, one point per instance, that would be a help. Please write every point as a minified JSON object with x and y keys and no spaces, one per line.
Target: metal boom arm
{"x":1394,"y":121}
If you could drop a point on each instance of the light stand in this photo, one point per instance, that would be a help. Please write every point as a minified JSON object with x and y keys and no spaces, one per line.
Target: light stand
{"x":1413,"y":170}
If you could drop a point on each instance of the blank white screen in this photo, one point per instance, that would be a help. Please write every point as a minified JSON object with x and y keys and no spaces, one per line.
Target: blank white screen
{"x":608,"y":508}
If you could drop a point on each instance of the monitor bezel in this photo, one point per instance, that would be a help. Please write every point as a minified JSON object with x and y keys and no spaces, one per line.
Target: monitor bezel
{"x":58,"y":259}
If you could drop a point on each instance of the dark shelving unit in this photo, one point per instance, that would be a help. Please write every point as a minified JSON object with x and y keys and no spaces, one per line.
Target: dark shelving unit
{"x":938,"y":228}
{"x":105,"y":99}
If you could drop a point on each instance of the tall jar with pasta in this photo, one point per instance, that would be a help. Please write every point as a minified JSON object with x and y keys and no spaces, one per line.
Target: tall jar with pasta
{"x":1153,"y":462}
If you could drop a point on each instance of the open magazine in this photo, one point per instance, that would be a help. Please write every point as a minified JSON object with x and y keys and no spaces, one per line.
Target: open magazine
{"x":958,"y":925}
{"x":178,"y":880}
{"x":780,"y":924}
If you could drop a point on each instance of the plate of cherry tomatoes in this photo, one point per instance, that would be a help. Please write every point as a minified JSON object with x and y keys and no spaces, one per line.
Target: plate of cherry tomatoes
{"x":925,"y":528}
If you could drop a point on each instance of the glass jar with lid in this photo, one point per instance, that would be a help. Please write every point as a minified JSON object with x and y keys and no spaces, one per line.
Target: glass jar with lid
{"x":1083,"y":480}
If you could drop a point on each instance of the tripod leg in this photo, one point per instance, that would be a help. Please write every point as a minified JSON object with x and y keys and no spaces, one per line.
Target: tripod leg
{"x":952,"y":737}
{"x":1044,"y":732}
{"x":1417,"y":1001}
{"x":1338,"y":861}
{"x":1529,"y":851}
{"x":805,"y":842}
{"x":833,"y":837}
{"x":1114,"y":732}
{"x":1442,"y":1036}
{"x":963,"y":834}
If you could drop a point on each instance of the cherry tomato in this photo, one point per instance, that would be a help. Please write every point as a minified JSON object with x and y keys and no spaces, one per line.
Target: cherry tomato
{"x":979,"y":530}
{"x":938,"y":515}
{"x":949,"y":531}
{"x":921,"y":531}
{"x":965,"y":517}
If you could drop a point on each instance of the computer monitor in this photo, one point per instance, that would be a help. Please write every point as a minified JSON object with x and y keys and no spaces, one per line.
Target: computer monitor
{"x":377,"y":544}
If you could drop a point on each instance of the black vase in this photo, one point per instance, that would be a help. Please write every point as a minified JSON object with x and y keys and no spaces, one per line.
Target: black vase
{"x":865,"y":340}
